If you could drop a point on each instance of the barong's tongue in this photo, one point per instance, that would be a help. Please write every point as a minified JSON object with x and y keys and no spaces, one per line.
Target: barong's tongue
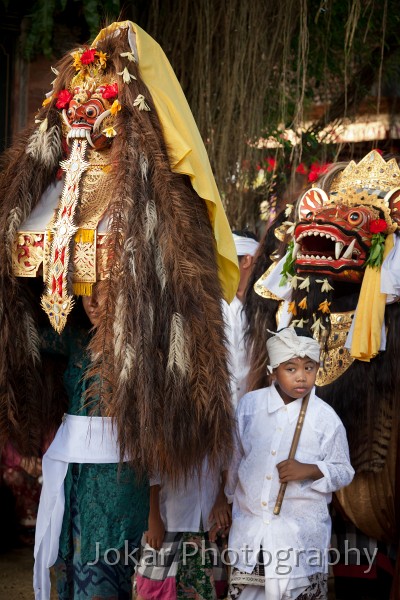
{"x":56,"y":301}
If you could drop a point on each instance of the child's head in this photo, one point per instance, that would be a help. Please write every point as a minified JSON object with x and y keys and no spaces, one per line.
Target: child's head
{"x":91,"y":305}
{"x":294,"y":361}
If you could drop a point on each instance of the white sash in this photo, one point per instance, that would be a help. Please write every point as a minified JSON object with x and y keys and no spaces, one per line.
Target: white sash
{"x":78,"y":440}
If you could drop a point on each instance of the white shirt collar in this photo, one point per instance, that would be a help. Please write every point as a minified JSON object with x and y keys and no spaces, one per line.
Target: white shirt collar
{"x":275,"y":403}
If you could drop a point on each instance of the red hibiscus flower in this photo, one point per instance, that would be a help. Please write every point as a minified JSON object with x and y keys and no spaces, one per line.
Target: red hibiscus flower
{"x":301,"y":169}
{"x":110,"y":91}
{"x":316,"y":170}
{"x":63,"y":99}
{"x":271,"y":164}
{"x":89,"y":56}
{"x":377,"y":226}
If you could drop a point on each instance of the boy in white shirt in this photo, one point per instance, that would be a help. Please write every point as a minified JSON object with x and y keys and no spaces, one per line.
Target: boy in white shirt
{"x":294,"y":545}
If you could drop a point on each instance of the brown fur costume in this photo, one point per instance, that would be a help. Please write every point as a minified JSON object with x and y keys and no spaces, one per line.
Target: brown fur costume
{"x":159,"y":360}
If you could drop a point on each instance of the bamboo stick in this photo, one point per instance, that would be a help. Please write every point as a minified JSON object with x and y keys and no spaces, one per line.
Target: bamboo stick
{"x":292,"y":451}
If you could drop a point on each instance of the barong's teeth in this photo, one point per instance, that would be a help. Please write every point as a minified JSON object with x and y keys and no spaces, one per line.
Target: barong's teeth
{"x":100,"y":119}
{"x":349,"y":250}
{"x":88,"y":137}
{"x":296,"y":248}
{"x":338,"y":249}
{"x":80,"y":134}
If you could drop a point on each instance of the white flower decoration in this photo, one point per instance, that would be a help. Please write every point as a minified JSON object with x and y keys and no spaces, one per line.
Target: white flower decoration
{"x":325,"y":285}
{"x":305,"y":285}
{"x":141,"y":103}
{"x":288,"y":210}
{"x":126,"y":76}
{"x":129,"y":56}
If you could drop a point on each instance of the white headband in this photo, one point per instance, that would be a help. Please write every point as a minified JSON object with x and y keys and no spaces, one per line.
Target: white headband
{"x":286,"y":344}
{"x":245,"y":245}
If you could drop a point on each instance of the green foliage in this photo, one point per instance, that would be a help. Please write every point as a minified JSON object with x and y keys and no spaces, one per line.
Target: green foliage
{"x":288,"y":267}
{"x":375,"y":256}
{"x":44,"y":13}
{"x":41,"y":32}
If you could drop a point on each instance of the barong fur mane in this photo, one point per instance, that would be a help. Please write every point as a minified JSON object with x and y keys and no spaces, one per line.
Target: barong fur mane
{"x":159,"y":360}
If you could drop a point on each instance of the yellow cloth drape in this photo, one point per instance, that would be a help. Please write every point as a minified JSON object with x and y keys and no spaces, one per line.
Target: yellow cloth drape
{"x":370,"y":312}
{"x":186,"y":149}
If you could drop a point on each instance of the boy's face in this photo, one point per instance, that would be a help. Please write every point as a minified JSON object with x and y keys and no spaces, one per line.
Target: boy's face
{"x":91,"y":304}
{"x":295,"y":378}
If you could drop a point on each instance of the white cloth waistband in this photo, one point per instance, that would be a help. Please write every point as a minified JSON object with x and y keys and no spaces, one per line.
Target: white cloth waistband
{"x":78,"y":440}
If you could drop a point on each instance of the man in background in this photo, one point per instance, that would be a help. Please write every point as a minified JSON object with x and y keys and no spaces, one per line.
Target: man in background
{"x":246,"y":247}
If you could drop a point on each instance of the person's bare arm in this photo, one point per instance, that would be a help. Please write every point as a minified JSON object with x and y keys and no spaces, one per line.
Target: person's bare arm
{"x":221,"y":514}
{"x":155,"y":534}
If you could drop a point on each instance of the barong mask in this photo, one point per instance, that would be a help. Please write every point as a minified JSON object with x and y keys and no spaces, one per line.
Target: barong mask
{"x":334,"y":234}
{"x":90,"y":102}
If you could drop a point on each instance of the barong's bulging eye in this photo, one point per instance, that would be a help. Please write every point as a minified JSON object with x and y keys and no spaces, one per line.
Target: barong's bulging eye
{"x":92,"y":111}
{"x":309,"y":215}
{"x":70,"y":113}
{"x":356,"y":217}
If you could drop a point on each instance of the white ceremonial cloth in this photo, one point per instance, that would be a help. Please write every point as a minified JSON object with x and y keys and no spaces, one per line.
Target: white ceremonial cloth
{"x":78,"y":440}
{"x":235,"y":325}
{"x":44,"y":210}
{"x":187,"y":506}
{"x":390,"y":273}
{"x":285,"y":291}
{"x":245,"y":245}
{"x":297,"y":539}
{"x":286,"y":344}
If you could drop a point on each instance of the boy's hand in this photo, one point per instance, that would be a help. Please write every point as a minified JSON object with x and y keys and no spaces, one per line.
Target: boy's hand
{"x":154,"y":536}
{"x":220,"y":516}
{"x":293,"y":470}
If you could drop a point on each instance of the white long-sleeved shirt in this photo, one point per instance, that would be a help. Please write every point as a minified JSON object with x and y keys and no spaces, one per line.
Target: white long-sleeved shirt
{"x":265,"y":429}
{"x":235,"y":325}
{"x":185,"y":507}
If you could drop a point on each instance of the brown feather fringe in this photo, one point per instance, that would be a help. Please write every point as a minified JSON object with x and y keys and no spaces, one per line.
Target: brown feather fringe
{"x":171,"y":405}
{"x":159,"y":363}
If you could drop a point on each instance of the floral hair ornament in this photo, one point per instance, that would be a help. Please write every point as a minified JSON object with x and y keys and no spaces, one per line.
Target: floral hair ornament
{"x":325,"y":287}
{"x":324,"y":307}
{"x":109,"y":91}
{"x":303,"y":303}
{"x":300,"y":323}
{"x":317,"y":327}
{"x":295,"y":280}
{"x":89,"y":58}
{"x":63,"y":99}
{"x":305,"y":285}
{"x":375,"y":257}
{"x":288,"y":210}
{"x":141,"y":103}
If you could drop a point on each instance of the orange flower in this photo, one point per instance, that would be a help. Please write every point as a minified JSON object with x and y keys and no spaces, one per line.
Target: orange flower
{"x":324,"y":307}
{"x":77,"y":61}
{"x":292,"y":308}
{"x":303,"y":303}
{"x":116,"y":106}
